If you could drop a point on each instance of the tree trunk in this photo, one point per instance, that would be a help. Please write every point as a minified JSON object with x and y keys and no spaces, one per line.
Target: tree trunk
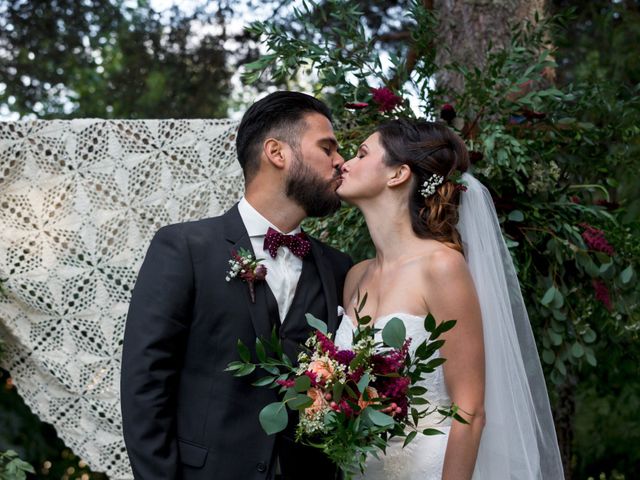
{"x":467,"y":27}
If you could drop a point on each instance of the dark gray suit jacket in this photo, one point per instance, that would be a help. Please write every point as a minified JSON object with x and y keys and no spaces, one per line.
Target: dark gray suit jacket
{"x":184,"y":417}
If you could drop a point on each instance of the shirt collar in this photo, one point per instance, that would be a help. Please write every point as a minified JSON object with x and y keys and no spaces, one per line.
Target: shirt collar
{"x":255,"y":223}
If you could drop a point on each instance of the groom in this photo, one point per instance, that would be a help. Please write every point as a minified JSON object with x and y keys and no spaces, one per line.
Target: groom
{"x":184,"y":417}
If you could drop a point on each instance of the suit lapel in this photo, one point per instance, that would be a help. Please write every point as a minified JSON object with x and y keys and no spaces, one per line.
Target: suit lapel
{"x":328,"y":284}
{"x":237,"y":238}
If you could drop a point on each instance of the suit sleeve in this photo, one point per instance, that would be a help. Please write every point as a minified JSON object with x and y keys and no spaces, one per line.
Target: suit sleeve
{"x":154,"y":343}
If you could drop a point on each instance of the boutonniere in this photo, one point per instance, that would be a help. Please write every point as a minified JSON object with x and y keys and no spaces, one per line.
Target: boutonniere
{"x":249,"y":269}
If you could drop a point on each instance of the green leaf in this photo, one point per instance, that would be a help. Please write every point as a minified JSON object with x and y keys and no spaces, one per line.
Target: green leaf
{"x":364,"y":382}
{"x":626,"y":274}
{"x":548,"y":357}
{"x":441,"y":328}
{"x":379,"y":418}
{"x":548,"y":296}
{"x":260,"y":351}
{"x":264,"y":381}
{"x":337,"y":391}
{"x":589,"y":336}
{"x":302,"y":384}
{"x":591,"y":358}
{"x":577,"y":350}
{"x":432,"y":431}
{"x":556,"y":338}
{"x":429,"y":323}
{"x":409,"y":438}
{"x":246,"y":369}
{"x":394,"y":333}
{"x":273,"y":418}
{"x":316,"y":323}
{"x":516,"y":216}
{"x":243,"y":351}
{"x":300,"y":402}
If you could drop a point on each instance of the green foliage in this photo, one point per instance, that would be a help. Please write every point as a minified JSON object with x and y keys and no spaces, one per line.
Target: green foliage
{"x":560,"y":160}
{"x":68,"y":59}
{"x":538,"y":142}
{"x":12,"y":468}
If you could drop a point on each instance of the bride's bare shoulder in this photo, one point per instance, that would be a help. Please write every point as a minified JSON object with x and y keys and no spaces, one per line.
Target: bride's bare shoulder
{"x":441,"y":261}
{"x":354,"y":275}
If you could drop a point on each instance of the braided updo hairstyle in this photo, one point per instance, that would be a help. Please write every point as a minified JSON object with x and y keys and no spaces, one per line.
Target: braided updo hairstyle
{"x":428,"y":148}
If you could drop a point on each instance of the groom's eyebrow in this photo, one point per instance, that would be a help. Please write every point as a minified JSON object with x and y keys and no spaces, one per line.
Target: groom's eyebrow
{"x":332,"y":141}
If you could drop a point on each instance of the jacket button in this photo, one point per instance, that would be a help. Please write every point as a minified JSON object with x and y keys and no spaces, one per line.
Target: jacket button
{"x":261,"y":467}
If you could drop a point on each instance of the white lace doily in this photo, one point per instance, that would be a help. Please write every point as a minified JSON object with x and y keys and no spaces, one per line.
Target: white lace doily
{"x":79,"y":203}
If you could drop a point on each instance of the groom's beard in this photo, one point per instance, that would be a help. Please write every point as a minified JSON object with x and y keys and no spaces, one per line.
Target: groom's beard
{"x":314,"y":194}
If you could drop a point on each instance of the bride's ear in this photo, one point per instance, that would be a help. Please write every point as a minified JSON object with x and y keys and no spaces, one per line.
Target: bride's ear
{"x":400,"y":176}
{"x":273,"y":151}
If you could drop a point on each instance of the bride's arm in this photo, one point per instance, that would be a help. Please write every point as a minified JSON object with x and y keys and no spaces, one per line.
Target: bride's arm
{"x":452,"y":295}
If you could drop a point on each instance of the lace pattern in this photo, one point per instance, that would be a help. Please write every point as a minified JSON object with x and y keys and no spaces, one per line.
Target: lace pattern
{"x":79,"y":203}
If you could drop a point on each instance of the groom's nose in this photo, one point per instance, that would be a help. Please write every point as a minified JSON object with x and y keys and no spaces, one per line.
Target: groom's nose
{"x":338,"y":161}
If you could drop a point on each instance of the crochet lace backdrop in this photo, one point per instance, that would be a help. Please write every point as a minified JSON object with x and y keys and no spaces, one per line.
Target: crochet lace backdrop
{"x":79,"y":203}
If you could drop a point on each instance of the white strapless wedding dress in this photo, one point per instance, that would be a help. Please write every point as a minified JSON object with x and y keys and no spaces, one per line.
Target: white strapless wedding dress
{"x":422,"y":459}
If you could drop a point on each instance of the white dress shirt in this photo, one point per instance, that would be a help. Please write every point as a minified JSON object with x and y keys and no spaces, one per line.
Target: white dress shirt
{"x":283,"y":272}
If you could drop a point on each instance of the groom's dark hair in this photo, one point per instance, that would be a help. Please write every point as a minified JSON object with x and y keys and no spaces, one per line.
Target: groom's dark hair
{"x":278,"y":115}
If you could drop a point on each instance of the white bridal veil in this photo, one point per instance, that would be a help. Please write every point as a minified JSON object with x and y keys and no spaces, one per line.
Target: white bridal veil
{"x":519,"y":439}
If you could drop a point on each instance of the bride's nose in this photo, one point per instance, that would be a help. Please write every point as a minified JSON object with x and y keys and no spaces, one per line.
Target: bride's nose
{"x":345,"y":166}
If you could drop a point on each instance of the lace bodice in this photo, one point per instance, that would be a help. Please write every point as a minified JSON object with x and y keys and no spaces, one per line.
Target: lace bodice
{"x":414,"y":324}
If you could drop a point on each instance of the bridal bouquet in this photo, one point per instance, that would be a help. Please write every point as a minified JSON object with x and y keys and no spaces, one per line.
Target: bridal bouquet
{"x":351,"y":402}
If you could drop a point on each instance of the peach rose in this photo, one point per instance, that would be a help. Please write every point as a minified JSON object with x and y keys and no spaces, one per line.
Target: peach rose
{"x":319,"y":402}
{"x":372,"y":393}
{"x":321,"y":369}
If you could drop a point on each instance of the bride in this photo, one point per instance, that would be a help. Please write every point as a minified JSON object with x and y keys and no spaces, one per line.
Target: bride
{"x":439,"y":250}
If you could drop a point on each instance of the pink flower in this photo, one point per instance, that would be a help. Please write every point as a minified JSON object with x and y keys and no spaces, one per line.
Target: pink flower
{"x":322,"y":370}
{"x":602,"y":293}
{"x":319,"y":402}
{"x":372,"y":393}
{"x":386,"y":99}
{"x":595,"y":239}
{"x":356,"y":105}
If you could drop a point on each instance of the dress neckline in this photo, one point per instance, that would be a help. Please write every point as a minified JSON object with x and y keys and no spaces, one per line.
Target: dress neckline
{"x":387,"y":316}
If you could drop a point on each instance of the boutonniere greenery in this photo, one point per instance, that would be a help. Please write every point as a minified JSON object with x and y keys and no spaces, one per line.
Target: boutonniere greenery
{"x":245,"y":266}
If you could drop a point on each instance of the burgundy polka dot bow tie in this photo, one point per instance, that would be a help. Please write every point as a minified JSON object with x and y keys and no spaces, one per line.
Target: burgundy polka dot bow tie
{"x":299,"y":244}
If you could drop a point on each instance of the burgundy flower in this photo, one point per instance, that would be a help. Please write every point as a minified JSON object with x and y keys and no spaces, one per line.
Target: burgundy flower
{"x":344,"y":357}
{"x":447,"y":113}
{"x":602,"y":293}
{"x":356,"y":105}
{"x":326,"y":344}
{"x":475,"y":157}
{"x":595,"y":239}
{"x":286,"y":383}
{"x":386,"y":99}
{"x":575,"y":199}
{"x":608,"y":205}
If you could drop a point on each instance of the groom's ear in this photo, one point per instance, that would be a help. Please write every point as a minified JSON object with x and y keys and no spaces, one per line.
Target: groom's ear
{"x":273,"y":151}
{"x":401,"y":175}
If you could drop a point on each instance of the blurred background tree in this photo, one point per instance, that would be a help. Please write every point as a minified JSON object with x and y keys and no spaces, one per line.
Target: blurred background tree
{"x":117,"y":59}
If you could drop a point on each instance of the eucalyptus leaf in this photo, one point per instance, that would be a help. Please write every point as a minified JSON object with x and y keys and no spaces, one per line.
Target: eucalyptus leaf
{"x":432,"y":431}
{"x":626,"y":274}
{"x":577,"y":350}
{"x":548,"y":296}
{"x":379,"y":418}
{"x":273,"y":418}
{"x":302,"y":384}
{"x":394,"y":333}
{"x":316,"y":323}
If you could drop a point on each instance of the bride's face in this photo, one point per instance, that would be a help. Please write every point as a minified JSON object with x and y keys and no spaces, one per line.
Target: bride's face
{"x":365,"y":175}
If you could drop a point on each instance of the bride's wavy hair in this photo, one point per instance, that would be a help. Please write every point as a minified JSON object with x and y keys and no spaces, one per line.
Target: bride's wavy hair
{"x":428,"y":148}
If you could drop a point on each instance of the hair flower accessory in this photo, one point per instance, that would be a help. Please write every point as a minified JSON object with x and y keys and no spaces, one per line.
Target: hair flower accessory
{"x":429,"y":186}
{"x":249,"y":269}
